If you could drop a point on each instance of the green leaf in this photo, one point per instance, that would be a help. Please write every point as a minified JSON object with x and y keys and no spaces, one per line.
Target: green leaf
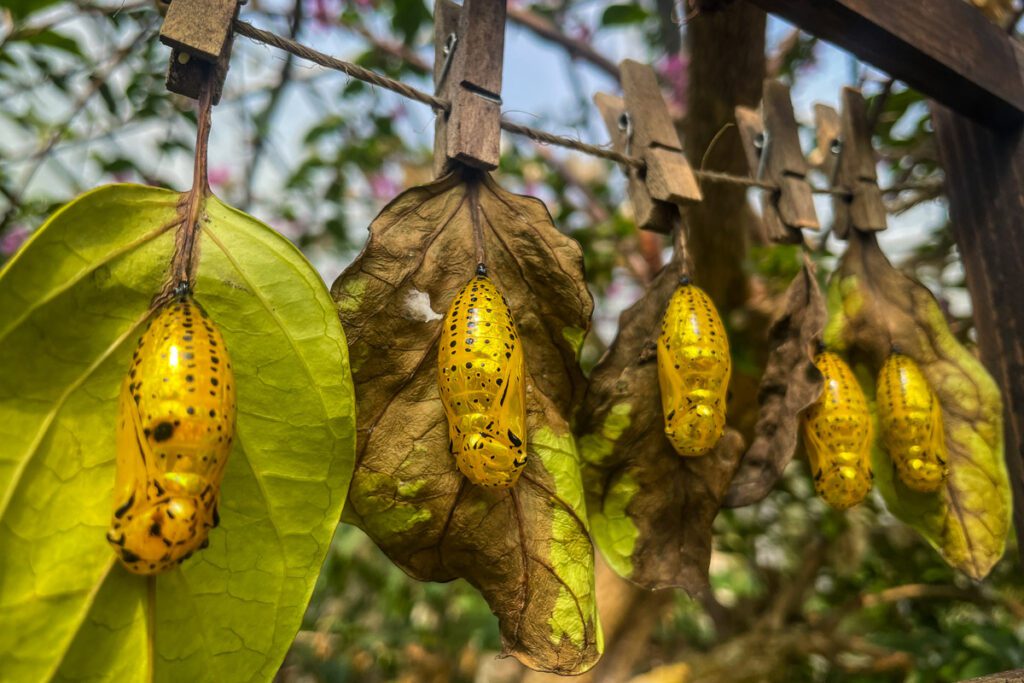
{"x":47,"y":37}
{"x":620,"y":15}
{"x":72,"y":304}
{"x":20,"y":9}
{"x":873,"y":307}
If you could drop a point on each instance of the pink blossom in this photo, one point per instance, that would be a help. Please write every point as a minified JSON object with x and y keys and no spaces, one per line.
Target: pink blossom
{"x":13,"y":239}
{"x":581,"y":33}
{"x":382,"y":187}
{"x":219,"y":176}
{"x":324,"y":13}
{"x":292,"y":229}
{"x":675,"y":70}
{"x":399,"y":112}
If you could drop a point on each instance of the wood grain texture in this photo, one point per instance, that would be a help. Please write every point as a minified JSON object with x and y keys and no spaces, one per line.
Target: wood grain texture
{"x":668,"y":175}
{"x":944,"y":48}
{"x":751,"y":130}
{"x":771,"y":144}
{"x":864,"y":208}
{"x":199,"y":27}
{"x":827,"y":134}
{"x":471,"y":132}
{"x":725,"y":42}
{"x":984,"y":177}
{"x":784,"y":162}
{"x":648,"y":213}
{"x":200,"y":35}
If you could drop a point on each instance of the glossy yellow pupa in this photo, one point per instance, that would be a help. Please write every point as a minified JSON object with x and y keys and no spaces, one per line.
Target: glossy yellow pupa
{"x":910,"y":421}
{"x":694,"y":368}
{"x":175,"y":427}
{"x":837,"y":434}
{"x":480,"y":376}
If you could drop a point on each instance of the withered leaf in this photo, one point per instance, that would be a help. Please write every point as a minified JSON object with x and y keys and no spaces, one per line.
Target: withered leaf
{"x":790,"y":383}
{"x":873,"y":307}
{"x":526,"y":549}
{"x":650,"y":509}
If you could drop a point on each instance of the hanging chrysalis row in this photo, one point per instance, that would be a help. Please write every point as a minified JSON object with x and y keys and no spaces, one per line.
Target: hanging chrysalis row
{"x":910,"y":420}
{"x":176,"y":422}
{"x":837,"y":435}
{"x":480,"y":375}
{"x":694,"y":367}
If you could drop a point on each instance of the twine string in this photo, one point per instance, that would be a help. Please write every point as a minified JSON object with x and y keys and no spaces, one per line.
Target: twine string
{"x":442,"y":105}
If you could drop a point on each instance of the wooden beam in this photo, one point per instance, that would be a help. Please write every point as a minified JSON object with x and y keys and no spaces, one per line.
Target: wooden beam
{"x":984,"y":180}
{"x":945,"y":48}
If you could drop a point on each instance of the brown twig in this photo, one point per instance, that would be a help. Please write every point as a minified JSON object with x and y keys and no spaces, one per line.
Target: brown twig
{"x":261,"y":122}
{"x":393,"y":48}
{"x":879,"y":104}
{"x":778,"y":58}
{"x":440,"y":104}
{"x":353,"y":70}
{"x":576,"y":48}
{"x":96,"y":81}
{"x":184,"y":261}
{"x":912,"y":591}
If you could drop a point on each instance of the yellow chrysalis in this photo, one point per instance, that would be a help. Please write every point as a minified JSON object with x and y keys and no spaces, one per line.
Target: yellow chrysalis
{"x":176,"y":422}
{"x":694,"y":367}
{"x":910,"y":420}
{"x":837,"y":435}
{"x":480,"y":375}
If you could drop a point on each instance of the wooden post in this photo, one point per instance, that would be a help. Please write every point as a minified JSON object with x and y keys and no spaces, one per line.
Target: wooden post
{"x":200,"y":34}
{"x":470,"y":78}
{"x":984,"y":183}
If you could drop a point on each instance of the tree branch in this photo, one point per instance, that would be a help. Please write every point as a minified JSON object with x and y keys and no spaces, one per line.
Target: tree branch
{"x":96,"y":81}
{"x":548,"y":31}
{"x":261,"y":123}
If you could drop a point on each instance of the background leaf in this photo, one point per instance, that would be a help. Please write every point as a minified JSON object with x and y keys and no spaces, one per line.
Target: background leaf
{"x":874,"y":307}
{"x":526,"y":549}
{"x":790,"y":383}
{"x":650,"y":509}
{"x":73,"y":303}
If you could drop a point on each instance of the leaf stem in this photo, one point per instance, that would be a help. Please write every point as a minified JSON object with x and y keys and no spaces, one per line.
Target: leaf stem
{"x":679,"y":246}
{"x":184,"y":262}
{"x":473,"y":191}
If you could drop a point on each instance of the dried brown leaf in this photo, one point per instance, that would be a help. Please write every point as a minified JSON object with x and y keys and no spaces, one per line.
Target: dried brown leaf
{"x":790,"y":383}
{"x":527,"y":549}
{"x":651,"y":510}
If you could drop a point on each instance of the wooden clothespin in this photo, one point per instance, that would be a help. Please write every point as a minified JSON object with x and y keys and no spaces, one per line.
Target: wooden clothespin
{"x":640,"y":125}
{"x":469,"y":48}
{"x":862,"y":208}
{"x":772,"y":144}
{"x":200,"y":34}
{"x":825,"y":155}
